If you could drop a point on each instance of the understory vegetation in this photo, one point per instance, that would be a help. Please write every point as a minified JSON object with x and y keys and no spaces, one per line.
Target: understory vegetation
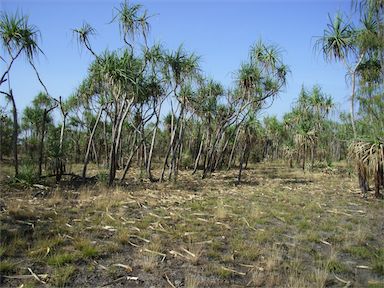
{"x":197,"y":232}
{"x":151,"y":173}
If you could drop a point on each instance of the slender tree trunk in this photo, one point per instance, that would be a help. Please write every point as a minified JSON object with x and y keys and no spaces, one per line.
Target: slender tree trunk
{"x":241,"y":163}
{"x":353,"y":104}
{"x":106,"y":161}
{"x":377,"y":177}
{"x":41,"y":148}
{"x":1,"y":138}
{"x":149,"y":163}
{"x":381,"y":175}
{"x":116,"y":137}
{"x":247,"y":159}
{"x":60,"y":169}
{"x":353,"y":94}
{"x":14,"y":134}
{"x":198,"y":156}
{"x":312,"y":156}
{"x":362,"y":175}
{"x":304,"y":155}
{"x":95,"y":155}
{"x":86,"y":158}
{"x":135,"y":147}
{"x":179,"y":149}
{"x":233,"y":149}
{"x":220,"y":156}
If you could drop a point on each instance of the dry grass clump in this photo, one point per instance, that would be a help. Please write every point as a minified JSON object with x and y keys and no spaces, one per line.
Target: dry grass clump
{"x":320,"y":277}
{"x":290,"y":230}
{"x":274,"y":258}
{"x":192,"y":281}
{"x":220,"y":211}
{"x":148,"y":262}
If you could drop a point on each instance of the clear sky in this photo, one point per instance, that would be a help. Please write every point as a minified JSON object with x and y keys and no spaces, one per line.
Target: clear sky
{"x":221,"y":32}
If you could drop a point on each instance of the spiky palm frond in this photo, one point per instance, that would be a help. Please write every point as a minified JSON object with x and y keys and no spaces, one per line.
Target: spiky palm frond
{"x":83,"y":35}
{"x":338,"y":39}
{"x":182,"y":65}
{"x":131,"y":21}
{"x":18,"y":36}
{"x":368,"y":153}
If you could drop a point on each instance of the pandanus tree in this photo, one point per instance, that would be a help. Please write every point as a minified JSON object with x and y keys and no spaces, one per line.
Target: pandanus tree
{"x":338,"y":44}
{"x":204,"y":104}
{"x":180,"y":70}
{"x":6,"y":126}
{"x":307,"y":120}
{"x":367,"y":151}
{"x":259,"y":80}
{"x":361,"y":49}
{"x":133,"y":22}
{"x":353,"y":46}
{"x":38,"y":117}
{"x":18,"y":37}
{"x":119,"y":76}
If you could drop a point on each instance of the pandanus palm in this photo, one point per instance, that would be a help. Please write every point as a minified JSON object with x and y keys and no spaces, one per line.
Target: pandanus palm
{"x":17,"y":37}
{"x":180,"y":69}
{"x":342,"y":42}
{"x":131,"y":22}
{"x":369,"y":159}
{"x":118,"y":76}
{"x":260,"y":79}
{"x":83,"y":35}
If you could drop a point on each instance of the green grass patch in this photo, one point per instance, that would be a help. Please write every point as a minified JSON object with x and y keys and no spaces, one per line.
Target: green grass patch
{"x":360,"y":251}
{"x":63,"y":258}
{"x":7,"y":267}
{"x":86,"y":248}
{"x":62,"y":275}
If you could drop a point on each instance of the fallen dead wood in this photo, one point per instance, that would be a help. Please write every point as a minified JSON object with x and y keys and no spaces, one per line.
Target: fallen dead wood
{"x":363,"y":267}
{"x":41,"y":276}
{"x":169,"y":281}
{"x":35,"y":276}
{"x":223,"y":224}
{"x":155,"y":252}
{"x":175,"y":253}
{"x":339,"y":212}
{"x":249,"y":226}
{"x":189,"y":253}
{"x":128,"y":278}
{"x":140,"y":238}
{"x":348,"y":283}
{"x":325,"y":242}
{"x":126,"y":267}
{"x":233,"y":271}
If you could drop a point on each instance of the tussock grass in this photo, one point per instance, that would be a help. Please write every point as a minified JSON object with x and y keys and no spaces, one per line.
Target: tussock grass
{"x":288,"y":230}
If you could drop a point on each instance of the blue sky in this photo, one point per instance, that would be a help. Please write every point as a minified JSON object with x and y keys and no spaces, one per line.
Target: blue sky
{"x":221,"y":32}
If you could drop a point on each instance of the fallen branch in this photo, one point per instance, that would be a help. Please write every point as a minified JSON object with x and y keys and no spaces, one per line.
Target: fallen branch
{"x":339,"y":212}
{"x":348,"y":283}
{"x":223,"y":224}
{"x":128,"y":278}
{"x":233,"y":271}
{"x":249,"y":226}
{"x":128,"y":268}
{"x":43,"y":276}
{"x":35,"y":276}
{"x":140,"y":238}
{"x":173,"y":252}
{"x":188,"y":252}
{"x":155,"y":252}
{"x":363,"y":267}
{"x":325,"y":242}
{"x":169,"y":281}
